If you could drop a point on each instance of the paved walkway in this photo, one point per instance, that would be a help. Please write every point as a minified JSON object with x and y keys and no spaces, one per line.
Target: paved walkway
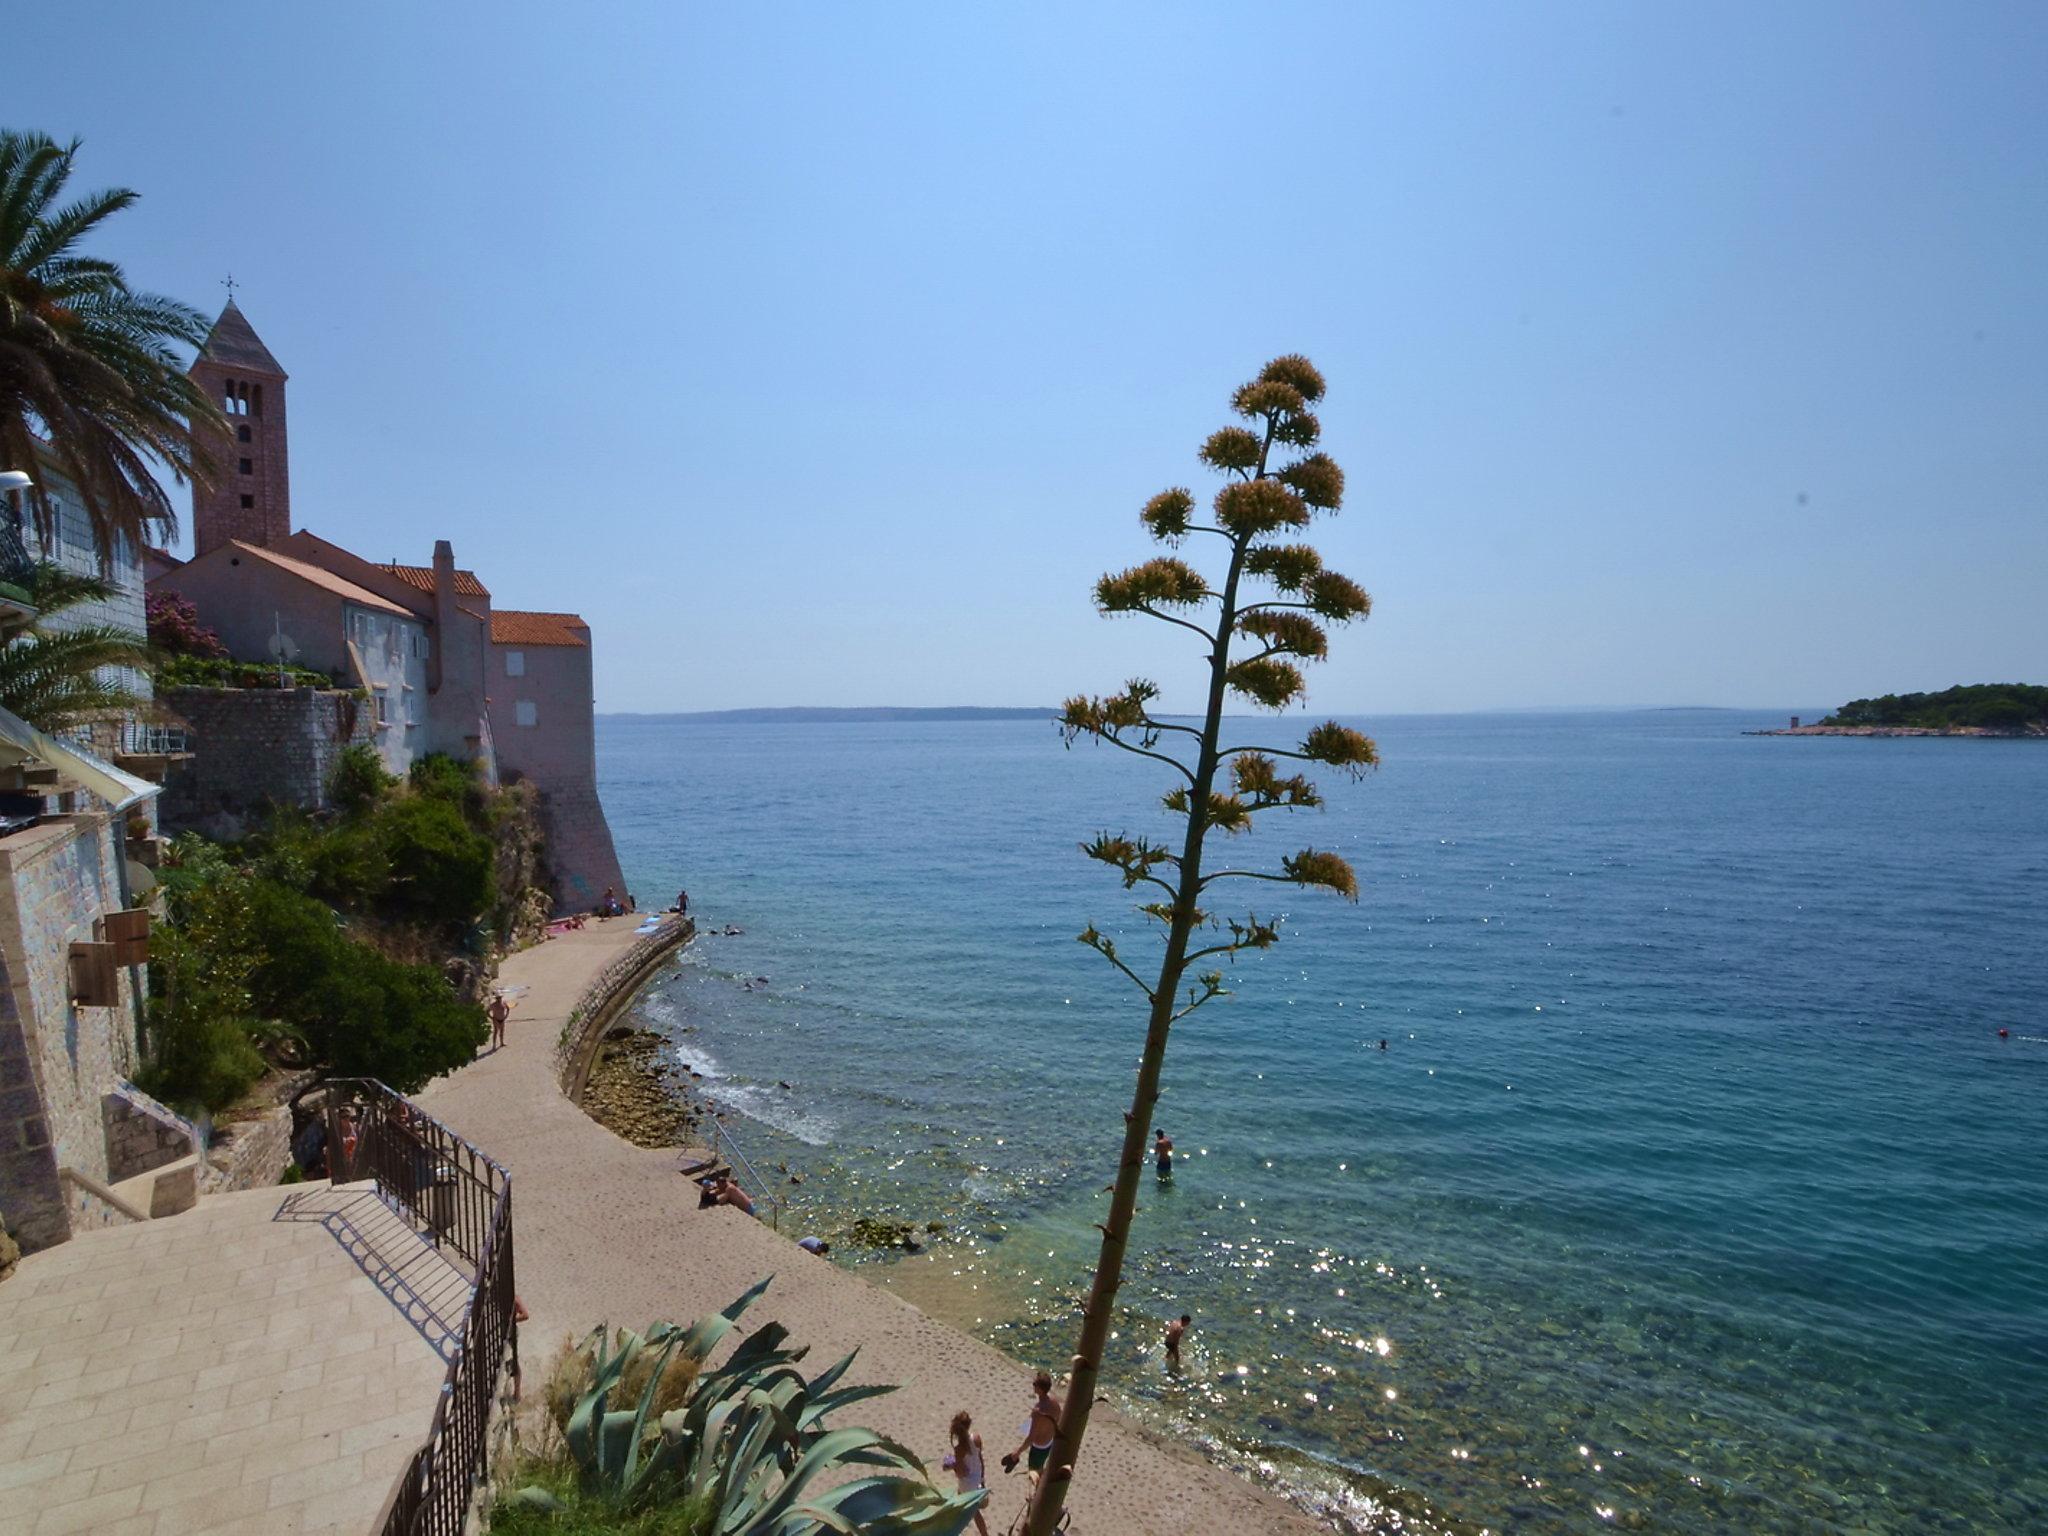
{"x":606,"y":1231}
{"x":262,"y":1363}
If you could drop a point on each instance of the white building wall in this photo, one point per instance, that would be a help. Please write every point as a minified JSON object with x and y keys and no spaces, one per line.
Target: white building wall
{"x":391,"y":653}
{"x":73,"y":547}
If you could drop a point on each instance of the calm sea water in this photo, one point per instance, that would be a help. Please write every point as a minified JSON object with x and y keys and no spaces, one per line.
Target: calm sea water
{"x":1693,"y":1191}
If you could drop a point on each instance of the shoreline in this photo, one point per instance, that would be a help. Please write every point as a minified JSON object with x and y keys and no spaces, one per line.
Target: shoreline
{"x":1974,"y":732}
{"x":610,"y":1231}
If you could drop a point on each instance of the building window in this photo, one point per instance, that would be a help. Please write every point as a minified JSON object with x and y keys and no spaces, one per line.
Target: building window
{"x":248,"y":466}
{"x":515,"y":663}
{"x":525,"y":713}
{"x":242,"y":434}
{"x":257,"y":392}
{"x":248,"y":501}
{"x":383,"y":698}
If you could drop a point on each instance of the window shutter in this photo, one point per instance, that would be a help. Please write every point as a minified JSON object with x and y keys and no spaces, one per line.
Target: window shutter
{"x":128,"y":932}
{"x":94,"y":976}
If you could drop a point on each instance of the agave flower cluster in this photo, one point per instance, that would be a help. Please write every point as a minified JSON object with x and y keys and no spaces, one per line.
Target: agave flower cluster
{"x":747,"y":1443}
{"x":1265,"y":620}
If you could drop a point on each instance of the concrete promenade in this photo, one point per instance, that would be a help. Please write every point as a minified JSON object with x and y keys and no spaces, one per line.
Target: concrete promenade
{"x":608,"y":1232}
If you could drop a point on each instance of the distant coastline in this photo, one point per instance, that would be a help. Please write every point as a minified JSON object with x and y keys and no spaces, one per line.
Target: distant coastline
{"x":1980,"y":731}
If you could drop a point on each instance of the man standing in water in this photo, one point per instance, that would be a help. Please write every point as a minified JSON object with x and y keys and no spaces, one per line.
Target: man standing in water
{"x":1162,"y":1153}
{"x":1174,"y":1334}
{"x":1039,"y":1429}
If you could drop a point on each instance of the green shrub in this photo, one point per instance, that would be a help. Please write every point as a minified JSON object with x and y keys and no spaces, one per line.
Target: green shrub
{"x":216,"y":672}
{"x":359,"y":779}
{"x":362,"y":1014}
{"x":442,"y":873}
{"x":200,"y":1015}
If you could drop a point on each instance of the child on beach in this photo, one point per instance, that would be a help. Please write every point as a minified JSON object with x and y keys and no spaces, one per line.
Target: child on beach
{"x":965,"y":1462}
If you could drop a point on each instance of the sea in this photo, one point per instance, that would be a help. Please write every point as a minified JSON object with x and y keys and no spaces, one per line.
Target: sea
{"x":1660,"y":1142}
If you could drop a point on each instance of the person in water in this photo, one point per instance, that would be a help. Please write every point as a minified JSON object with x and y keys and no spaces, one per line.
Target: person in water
{"x":965,"y":1462}
{"x":1175,"y":1332}
{"x":1036,"y":1446}
{"x":1162,"y":1153}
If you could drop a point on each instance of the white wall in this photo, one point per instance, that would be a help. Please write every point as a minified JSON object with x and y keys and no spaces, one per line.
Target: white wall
{"x":72,"y":546}
{"x":392,"y":652}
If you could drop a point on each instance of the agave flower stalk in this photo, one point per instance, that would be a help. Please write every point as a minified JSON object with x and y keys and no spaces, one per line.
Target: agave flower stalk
{"x":1260,"y":624}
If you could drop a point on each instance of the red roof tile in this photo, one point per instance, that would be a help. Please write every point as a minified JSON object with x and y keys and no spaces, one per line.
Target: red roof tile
{"x":514,"y":626}
{"x":422,"y":577}
{"x":313,"y":574}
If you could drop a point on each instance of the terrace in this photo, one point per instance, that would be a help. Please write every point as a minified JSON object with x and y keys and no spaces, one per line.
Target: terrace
{"x":319,"y":1358}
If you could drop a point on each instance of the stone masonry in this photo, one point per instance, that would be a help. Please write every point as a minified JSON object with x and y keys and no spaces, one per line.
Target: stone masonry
{"x":57,"y":1059}
{"x":142,"y":1134}
{"x":254,"y":748}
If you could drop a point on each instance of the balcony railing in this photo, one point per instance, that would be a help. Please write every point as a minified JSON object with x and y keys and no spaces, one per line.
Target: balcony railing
{"x":460,"y":1201}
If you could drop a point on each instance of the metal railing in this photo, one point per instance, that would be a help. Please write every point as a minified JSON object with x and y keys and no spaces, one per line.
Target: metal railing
{"x":143,"y":738}
{"x":460,"y":1201}
{"x":725,"y":1149}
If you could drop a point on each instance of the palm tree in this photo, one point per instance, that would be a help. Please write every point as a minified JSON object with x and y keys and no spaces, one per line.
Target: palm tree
{"x":88,"y":371}
{"x":56,"y":676}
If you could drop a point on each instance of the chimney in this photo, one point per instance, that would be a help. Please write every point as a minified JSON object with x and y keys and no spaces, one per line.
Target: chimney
{"x":444,"y":610}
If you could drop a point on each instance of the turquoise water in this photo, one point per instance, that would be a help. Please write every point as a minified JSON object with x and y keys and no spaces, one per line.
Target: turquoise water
{"x":1695,"y":1190}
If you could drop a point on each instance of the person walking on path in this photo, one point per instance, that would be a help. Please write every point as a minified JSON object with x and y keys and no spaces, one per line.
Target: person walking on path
{"x":498,"y":1013}
{"x":965,"y":1462}
{"x":1162,"y":1153}
{"x":1036,"y":1446}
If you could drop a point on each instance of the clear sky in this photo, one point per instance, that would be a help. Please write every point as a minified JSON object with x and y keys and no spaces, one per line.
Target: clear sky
{"x":823,"y":354}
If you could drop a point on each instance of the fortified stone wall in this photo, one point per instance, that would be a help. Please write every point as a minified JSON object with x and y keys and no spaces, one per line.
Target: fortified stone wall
{"x":580,"y":851}
{"x":254,"y":748}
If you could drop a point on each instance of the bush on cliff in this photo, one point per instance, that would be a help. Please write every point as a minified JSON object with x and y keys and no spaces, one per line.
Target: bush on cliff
{"x":363,"y":1015}
{"x":441,"y":871}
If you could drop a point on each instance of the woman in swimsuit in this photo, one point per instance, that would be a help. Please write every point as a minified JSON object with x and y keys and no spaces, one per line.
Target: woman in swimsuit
{"x":965,"y":1462}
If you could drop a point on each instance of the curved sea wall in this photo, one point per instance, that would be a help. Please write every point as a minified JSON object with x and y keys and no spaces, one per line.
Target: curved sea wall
{"x":607,"y":993}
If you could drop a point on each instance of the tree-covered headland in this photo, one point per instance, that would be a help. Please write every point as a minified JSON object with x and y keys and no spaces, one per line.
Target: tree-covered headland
{"x":2016,"y":709}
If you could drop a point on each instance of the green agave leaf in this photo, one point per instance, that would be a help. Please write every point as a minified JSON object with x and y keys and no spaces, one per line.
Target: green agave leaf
{"x":883,"y":1506}
{"x":706,"y":1332}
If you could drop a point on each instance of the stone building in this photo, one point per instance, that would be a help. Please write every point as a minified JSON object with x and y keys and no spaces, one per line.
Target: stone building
{"x":80,"y":1146}
{"x":443,"y":668}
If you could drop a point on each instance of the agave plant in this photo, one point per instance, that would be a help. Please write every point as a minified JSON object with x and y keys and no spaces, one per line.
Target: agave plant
{"x":746,"y":1443}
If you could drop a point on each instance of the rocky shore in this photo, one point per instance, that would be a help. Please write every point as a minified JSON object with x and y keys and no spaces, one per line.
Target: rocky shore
{"x":636,"y":1095}
{"x":1897,"y":730}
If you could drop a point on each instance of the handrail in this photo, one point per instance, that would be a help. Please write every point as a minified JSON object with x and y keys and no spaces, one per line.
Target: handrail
{"x":720,"y":1133}
{"x":463,"y":1199}
{"x":100,"y":1192}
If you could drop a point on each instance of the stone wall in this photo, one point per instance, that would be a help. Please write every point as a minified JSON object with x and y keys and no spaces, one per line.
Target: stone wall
{"x":249,"y":1154}
{"x":254,"y":748}
{"x":581,"y":857}
{"x":57,"y":1060}
{"x":142,"y":1134}
{"x":604,"y":996}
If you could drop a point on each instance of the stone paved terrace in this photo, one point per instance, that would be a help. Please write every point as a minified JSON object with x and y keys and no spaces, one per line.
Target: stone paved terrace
{"x":267,"y":1362}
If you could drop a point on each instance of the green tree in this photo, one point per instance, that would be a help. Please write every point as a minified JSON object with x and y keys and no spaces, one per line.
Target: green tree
{"x":1256,"y":645}
{"x":56,"y":676}
{"x":88,"y":364}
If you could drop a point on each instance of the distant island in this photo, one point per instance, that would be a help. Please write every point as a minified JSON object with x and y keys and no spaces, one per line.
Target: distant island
{"x":1978,"y":709}
{"x":813,"y":716}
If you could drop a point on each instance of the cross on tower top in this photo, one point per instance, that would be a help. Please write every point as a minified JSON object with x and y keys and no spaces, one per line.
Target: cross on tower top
{"x":230,"y":284}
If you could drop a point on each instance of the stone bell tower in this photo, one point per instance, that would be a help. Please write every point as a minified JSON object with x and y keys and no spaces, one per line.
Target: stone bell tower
{"x":251,"y":495}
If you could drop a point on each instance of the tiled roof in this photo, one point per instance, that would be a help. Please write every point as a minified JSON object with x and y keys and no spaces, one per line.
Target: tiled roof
{"x":325,"y":580}
{"x":514,"y":626}
{"x":422,"y":576}
{"x":234,"y":342}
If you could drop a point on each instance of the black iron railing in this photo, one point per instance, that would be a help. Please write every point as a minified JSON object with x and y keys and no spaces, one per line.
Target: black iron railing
{"x":460,"y":1201}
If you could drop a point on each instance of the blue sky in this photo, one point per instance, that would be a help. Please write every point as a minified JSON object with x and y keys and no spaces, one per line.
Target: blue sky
{"x":823,"y":354}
